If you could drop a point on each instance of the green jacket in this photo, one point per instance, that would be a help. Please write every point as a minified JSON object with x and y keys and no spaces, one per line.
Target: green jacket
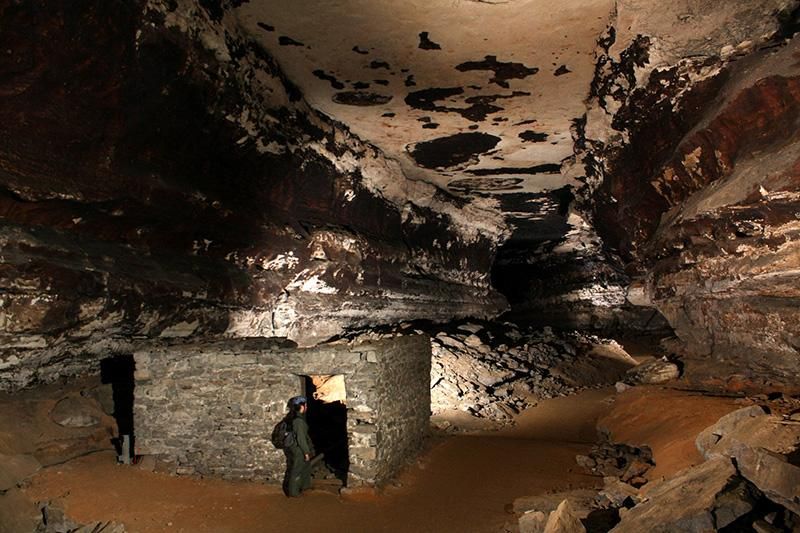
{"x":300,"y":428}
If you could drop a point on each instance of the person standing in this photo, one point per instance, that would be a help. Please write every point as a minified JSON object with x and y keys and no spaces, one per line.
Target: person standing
{"x":300,"y":452}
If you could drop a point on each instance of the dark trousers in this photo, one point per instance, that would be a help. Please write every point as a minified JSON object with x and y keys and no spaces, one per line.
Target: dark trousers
{"x":298,"y":473}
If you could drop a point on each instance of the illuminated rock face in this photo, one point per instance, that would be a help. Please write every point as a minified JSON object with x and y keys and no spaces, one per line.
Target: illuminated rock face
{"x":167,"y":180}
{"x":698,"y":189}
{"x":201,"y":169}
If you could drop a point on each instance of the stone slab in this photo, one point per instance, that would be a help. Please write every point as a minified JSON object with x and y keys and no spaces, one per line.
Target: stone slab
{"x":683,"y":503}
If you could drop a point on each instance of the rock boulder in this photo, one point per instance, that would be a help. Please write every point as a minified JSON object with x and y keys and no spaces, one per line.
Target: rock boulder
{"x":686,"y":502}
{"x":564,"y":520}
{"x":652,"y":372}
{"x":75,"y":413}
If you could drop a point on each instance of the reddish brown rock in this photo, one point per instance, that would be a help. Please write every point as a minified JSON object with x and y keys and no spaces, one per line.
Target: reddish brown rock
{"x":702,"y":201}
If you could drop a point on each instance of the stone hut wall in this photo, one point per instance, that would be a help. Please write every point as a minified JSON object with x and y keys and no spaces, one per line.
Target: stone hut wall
{"x":405,"y":402}
{"x":210,"y":408}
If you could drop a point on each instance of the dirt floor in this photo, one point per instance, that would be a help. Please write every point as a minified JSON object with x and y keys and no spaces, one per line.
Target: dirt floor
{"x":667,"y":421}
{"x":462,"y":483}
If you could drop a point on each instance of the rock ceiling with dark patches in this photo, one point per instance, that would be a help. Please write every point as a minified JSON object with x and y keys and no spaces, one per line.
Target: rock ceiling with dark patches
{"x":233,"y":168}
{"x":430,"y":83}
{"x":485,"y":98}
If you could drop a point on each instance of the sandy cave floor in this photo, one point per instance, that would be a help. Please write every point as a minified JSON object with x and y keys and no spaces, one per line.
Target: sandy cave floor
{"x":461,"y":483}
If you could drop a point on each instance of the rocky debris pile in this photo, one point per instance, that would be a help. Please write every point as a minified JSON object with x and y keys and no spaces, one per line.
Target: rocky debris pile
{"x":494,"y":370}
{"x":565,"y":512}
{"x":777,"y":402}
{"x":750,"y":481}
{"x":764,"y":448}
{"x":623,"y":468}
{"x":627,"y":463}
{"x":701,"y":498}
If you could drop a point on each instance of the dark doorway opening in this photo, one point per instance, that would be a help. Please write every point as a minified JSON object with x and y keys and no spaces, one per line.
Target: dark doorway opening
{"x":327,"y":421}
{"x":118,"y":372}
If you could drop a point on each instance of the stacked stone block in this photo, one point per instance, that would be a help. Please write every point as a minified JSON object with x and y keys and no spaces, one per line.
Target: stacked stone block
{"x":209,"y":408}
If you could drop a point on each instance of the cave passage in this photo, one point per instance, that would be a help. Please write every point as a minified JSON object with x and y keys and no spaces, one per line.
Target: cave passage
{"x":428,"y":218}
{"x":327,"y":421}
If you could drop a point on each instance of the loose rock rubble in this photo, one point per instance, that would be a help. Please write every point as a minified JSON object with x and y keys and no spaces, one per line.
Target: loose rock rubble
{"x":686,"y":502}
{"x":749,"y":482}
{"x":539,"y":512}
{"x":563,"y":520}
{"x":567,"y":512}
{"x":761,"y":446}
{"x":628,"y":463}
{"x":494,"y":370}
{"x":55,"y":520}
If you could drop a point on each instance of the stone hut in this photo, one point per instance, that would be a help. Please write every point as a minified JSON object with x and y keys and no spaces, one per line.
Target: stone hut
{"x":209,"y":408}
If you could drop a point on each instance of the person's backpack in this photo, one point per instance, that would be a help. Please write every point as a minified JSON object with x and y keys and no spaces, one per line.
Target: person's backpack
{"x":282,"y":435}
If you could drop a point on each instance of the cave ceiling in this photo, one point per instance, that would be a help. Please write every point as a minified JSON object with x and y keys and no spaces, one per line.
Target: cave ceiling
{"x":235,"y":168}
{"x":477,"y":98}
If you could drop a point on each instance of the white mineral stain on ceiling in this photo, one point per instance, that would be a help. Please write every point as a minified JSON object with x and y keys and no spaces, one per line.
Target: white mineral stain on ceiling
{"x":532,"y":60}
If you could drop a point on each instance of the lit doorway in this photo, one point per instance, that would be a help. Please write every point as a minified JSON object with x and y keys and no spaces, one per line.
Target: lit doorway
{"x":327,"y":421}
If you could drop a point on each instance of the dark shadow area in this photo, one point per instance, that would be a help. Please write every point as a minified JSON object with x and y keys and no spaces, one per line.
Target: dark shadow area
{"x":549,"y":289}
{"x":793,"y":458}
{"x":118,"y":372}
{"x":601,"y":520}
{"x":549,"y":281}
{"x":327,"y":426}
{"x":766,"y":514}
{"x":540,"y":224}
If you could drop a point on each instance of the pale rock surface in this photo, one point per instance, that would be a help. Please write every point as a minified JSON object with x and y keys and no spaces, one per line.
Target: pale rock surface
{"x":581,"y":501}
{"x":652,"y":373}
{"x":500,"y":369}
{"x":748,"y":428}
{"x":75,"y":412}
{"x":532,"y":522}
{"x":708,"y":439}
{"x":778,"y":479}
{"x":759,"y":443}
{"x":564,"y":520}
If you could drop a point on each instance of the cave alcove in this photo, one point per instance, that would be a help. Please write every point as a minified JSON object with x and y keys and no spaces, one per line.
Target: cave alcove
{"x":327,"y":421}
{"x":118,"y":371}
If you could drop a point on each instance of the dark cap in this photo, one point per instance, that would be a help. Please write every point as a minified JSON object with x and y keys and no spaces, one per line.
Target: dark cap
{"x":298,"y":400}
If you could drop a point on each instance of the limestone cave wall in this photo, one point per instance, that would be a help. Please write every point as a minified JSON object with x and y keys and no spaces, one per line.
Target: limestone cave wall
{"x":161,"y":177}
{"x":693,"y":177}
